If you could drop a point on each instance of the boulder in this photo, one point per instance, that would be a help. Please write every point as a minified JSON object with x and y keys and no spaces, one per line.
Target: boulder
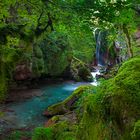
{"x":67,"y":105}
{"x":80,"y":71}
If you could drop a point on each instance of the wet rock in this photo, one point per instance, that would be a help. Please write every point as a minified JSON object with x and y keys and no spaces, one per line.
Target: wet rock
{"x":85,"y":74}
{"x":80,"y":71}
{"x":49,"y":123}
{"x":93,"y":69}
{"x":8,"y":121}
{"x":69,"y":117}
{"x":67,"y":105}
{"x":47,"y":113}
{"x":57,"y":109}
{"x":98,"y":76}
{"x":60,"y":109}
{"x":71,"y":102}
{"x":22,"y":72}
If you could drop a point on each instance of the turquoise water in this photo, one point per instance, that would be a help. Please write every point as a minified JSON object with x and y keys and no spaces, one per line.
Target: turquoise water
{"x":29,"y":113}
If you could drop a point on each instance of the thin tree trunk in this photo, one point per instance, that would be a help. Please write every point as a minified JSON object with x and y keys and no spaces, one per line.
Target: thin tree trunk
{"x":128,"y":38}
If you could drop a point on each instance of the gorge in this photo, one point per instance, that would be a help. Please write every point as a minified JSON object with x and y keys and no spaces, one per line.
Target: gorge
{"x":69,"y":70}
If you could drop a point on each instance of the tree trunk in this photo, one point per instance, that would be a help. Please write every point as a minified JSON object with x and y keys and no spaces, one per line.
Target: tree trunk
{"x":128,"y":39}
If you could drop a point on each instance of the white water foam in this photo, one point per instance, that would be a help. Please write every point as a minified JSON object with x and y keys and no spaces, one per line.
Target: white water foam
{"x":95,"y":83}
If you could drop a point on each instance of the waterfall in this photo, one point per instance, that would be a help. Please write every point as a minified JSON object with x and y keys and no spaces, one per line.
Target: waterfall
{"x":95,"y":83}
{"x":101,"y":47}
{"x":108,"y":53}
{"x":98,"y":46}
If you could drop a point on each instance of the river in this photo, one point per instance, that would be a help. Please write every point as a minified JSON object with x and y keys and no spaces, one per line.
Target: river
{"x":28,"y":113}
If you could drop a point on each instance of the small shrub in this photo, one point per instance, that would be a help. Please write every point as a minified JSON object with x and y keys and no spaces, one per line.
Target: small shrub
{"x":41,"y":133}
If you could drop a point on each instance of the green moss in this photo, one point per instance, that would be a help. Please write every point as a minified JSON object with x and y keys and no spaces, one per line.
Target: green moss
{"x":79,"y":70}
{"x":70,"y":102}
{"x":41,"y":133}
{"x":128,"y":76}
{"x":67,"y":136}
{"x":111,"y":112}
{"x":136,"y":131}
{"x":62,"y":130}
{"x":65,"y":131}
{"x":96,"y":122}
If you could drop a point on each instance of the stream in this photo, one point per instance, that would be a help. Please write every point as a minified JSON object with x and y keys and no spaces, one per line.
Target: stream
{"x":28,"y":113}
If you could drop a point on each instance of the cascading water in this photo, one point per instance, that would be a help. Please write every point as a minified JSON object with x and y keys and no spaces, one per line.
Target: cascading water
{"x":101,"y":47}
{"x":108,"y":53}
{"x":95,"y":83}
{"x":101,"y":53}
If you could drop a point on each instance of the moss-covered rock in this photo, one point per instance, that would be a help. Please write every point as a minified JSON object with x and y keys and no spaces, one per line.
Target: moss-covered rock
{"x":111,"y":113}
{"x":128,"y":77}
{"x":80,"y":71}
{"x":68,"y":104}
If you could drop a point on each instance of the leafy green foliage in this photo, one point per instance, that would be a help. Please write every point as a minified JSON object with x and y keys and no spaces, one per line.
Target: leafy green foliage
{"x":43,"y":36}
{"x":56,"y":53}
{"x":8,"y":56}
{"x":136,"y":131}
{"x":41,"y":133}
